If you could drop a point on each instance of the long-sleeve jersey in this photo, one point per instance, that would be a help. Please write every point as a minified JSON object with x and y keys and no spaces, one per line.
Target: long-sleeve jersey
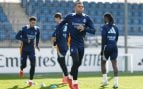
{"x":74,"y":20}
{"x":27,"y":35}
{"x":61,"y":37}
{"x":109,"y":35}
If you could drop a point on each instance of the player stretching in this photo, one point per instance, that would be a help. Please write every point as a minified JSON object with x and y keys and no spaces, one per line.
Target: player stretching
{"x":27,"y":36}
{"x":78,"y":24}
{"x":59,"y":39}
{"x":109,"y":48}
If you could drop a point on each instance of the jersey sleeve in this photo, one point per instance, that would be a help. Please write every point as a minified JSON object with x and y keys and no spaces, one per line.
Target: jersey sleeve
{"x":117,"y":34}
{"x":19,"y":36}
{"x":65,"y":20}
{"x":103,"y":38}
{"x":90,"y":26}
{"x":54,"y":34}
{"x":59,"y":28}
{"x":37,"y":37}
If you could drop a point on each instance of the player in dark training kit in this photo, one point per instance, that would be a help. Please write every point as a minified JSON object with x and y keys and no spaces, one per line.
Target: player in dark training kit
{"x":27,"y":36}
{"x":60,"y":40}
{"x":109,"y":48}
{"x":78,"y":24}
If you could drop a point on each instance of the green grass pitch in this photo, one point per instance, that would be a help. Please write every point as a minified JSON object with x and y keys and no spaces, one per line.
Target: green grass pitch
{"x":86,"y":81}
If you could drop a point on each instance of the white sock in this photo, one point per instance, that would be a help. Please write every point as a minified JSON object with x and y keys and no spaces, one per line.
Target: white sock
{"x":30,"y":80}
{"x":64,"y":75}
{"x":116,"y":81}
{"x":70,"y":76}
{"x":105,"y":78}
{"x":75,"y":82}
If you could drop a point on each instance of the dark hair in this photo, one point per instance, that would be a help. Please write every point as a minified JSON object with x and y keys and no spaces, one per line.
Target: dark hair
{"x":77,"y":2}
{"x":58,"y":15}
{"x":109,"y":17}
{"x":32,"y":18}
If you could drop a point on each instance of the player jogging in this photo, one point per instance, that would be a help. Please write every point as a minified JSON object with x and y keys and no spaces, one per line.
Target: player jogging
{"x":78,"y":24}
{"x":27,"y":36}
{"x":109,"y":48}
{"x":60,"y":40}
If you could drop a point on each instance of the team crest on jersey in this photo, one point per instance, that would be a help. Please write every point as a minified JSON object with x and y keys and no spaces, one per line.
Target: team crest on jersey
{"x":84,"y":20}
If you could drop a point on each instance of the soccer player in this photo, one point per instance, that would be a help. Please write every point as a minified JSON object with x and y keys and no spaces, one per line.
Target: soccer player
{"x":109,"y":48}
{"x":60,"y":39}
{"x":78,"y":24}
{"x":27,"y":36}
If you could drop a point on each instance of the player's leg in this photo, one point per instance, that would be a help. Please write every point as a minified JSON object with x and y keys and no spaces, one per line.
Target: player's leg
{"x":74,"y":68}
{"x":105,"y":55}
{"x":104,"y":73}
{"x":23,"y":63}
{"x":103,"y":66}
{"x":61,"y":60}
{"x":115,"y":67}
{"x":75,"y":59}
{"x":32,"y":66}
{"x":75,"y":78}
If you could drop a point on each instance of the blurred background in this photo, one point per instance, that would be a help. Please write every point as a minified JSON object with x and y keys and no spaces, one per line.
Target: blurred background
{"x":15,"y":13}
{"x":128,"y":16}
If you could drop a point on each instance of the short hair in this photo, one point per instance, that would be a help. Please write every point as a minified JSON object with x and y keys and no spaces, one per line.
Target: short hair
{"x":110,"y":17}
{"x":58,"y":15}
{"x":32,"y":18}
{"x":77,"y":2}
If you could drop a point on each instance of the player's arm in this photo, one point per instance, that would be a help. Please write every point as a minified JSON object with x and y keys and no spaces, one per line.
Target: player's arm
{"x":90,"y":26}
{"x":60,"y":26}
{"x":19,"y":37}
{"x":103,"y":40}
{"x":117,"y":34}
{"x":53,"y":39}
{"x":37,"y":39}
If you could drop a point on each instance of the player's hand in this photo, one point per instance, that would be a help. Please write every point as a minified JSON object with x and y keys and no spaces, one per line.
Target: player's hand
{"x":52,"y":50}
{"x":101,"y":53}
{"x":80,"y":28}
{"x":53,"y":40}
{"x":37,"y":48}
{"x":103,"y":58}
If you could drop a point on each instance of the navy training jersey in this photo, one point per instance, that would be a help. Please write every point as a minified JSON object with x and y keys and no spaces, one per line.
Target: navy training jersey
{"x":74,"y":20}
{"x":109,"y":35}
{"x":27,"y":35}
{"x":61,"y":35}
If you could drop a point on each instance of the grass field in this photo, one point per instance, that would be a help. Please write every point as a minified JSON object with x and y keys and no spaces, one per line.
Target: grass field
{"x":86,"y":81}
